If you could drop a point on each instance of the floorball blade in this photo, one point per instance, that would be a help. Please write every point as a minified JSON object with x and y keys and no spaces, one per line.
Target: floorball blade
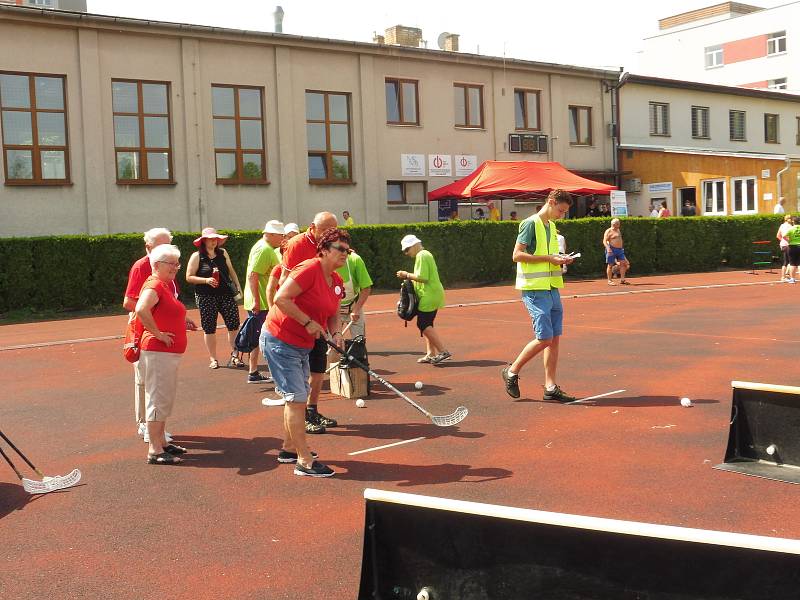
{"x":51,"y":484}
{"x":453,"y":419}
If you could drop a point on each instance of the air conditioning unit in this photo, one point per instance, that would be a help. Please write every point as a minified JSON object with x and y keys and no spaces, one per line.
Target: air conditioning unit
{"x":532,"y":143}
{"x":611,"y":129}
{"x":632,"y":185}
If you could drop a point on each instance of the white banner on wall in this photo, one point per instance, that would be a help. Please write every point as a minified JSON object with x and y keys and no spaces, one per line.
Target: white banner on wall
{"x":619,"y":204}
{"x":465,"y":164}
{"x":412,"y":165}
{"x":664,"y":187}
{"x":440,"y":165}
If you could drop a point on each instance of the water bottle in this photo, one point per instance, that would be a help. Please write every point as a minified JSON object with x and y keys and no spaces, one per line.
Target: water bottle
{"x":215,"y":275}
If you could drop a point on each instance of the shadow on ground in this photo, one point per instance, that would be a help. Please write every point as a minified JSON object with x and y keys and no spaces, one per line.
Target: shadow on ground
{"x":402,"y":431}
{"x":412,"y":475}
{"x":249,"y":456}
{"x":472,"y":363}
{"x":12,"y":497}
{"x":627,"y":402}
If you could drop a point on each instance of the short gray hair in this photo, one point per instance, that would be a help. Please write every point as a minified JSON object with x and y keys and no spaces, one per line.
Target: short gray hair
{"x":151,"y":234}
{"x":615,"y":221}
{"x":163,"y":252}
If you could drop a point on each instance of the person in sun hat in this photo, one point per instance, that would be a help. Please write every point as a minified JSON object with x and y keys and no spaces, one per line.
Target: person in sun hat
{"x":216,"y":287}
{"x":430,"y":293}
{"x":291,"y":230}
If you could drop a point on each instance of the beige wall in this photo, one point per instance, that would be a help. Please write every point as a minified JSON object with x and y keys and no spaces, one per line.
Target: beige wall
{"x":91,"y":53}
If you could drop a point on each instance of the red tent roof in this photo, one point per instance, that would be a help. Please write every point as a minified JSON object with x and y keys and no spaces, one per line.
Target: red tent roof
{"x":498,"y":178}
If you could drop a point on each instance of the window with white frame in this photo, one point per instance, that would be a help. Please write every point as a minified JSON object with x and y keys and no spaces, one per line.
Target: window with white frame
{"x":714,"y":197}
{"x":776,"y":43}
{"x":714,"y":57}
{"x":737,"y":125}
{"x":743,"y":192}
{"x":406,"y":192}
{"x":659,"y":118}
{"x":700,"y":120}
{"x":777,"y":84}
{"x":771,"y":128}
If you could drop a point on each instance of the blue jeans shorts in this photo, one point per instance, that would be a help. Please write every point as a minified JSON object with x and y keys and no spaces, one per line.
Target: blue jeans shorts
{"x":288,"y":366}
{"x":547,"y":314}
{"x":617,"y":254}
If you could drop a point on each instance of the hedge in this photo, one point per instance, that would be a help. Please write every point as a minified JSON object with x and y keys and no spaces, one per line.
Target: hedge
{"x":87,"y":272}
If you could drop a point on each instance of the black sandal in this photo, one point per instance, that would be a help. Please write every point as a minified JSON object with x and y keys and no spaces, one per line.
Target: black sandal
{"x":174,"y":449}
{"x":165,"y":458}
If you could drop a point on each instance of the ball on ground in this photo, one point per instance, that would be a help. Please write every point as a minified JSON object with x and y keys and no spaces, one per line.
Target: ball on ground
{"x":360,"y":403}
{"x":686,"y":402}
{"x":771,"y":449}
{"x":418,"y":385}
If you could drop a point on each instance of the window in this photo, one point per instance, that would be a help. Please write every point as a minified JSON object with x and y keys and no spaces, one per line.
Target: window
{"x":714,"y":57}
{"x":744,"y":194}
{"x":771,"y":126}
{"x":142,"y":141}
{"x":468,"y":105}
{"x":42,"y":3}
{"x":238,"y":134}
{"x":526,"y":110}
{"x":700,"y":117}
{"x":34,"y":126}
{"x":777,"y":84}
{"x":402,"y":102}
{"x":328,"y":137}
{"x":736,"y":122}
{"x":714,"y":197}
{"x":406,"y":192}
{"x":776,"y":43}
{"x":580,"y":126}
{"x":659,"y":118}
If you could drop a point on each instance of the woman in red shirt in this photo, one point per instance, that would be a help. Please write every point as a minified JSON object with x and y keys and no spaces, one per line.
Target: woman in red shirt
{"x":306,"y":307}
{"x":163,"y":342}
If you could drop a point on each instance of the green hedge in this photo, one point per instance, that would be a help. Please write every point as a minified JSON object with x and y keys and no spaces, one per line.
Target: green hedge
{"x":86,"y":272}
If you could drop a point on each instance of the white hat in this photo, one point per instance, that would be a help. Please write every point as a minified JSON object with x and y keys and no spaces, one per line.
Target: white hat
{"x":274,"y":226}
{"x":408,"y":241}
{"x":291,"y":227}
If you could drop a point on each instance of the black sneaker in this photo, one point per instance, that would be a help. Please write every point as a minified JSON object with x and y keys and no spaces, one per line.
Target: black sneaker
{"x":326,"y":421}
{"x":285,"y":457}
{"x":511,"y":381}
{"x":258,"y":378}
{"x":313,"y":427}
{"x":558,"y":395}
{"x":317,"y":470}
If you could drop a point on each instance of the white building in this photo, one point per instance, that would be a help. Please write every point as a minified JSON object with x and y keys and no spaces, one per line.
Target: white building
{"x":728,"y":44}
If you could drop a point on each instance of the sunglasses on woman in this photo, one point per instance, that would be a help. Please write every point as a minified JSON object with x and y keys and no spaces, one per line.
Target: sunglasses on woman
{"x":342,"y":249}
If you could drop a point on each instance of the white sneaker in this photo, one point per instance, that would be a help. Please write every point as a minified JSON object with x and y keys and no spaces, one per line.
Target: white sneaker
{"x":146,"y":437}
{"x":273,"y":401}
{"x":142,"y":428}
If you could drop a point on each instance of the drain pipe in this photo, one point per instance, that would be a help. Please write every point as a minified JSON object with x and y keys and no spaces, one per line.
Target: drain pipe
{"x":780,"y":179}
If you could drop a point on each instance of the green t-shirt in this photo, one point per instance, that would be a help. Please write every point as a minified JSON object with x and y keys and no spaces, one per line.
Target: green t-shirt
{"x":355,"y":276}
{"x":430,"y":294}
{"x":262,"y":260}
{"x":793,"y":235}
{"x":527,"y":234}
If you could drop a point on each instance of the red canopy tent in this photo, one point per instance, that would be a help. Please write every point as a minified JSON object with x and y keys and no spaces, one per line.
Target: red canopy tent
{"x":518,"y":179}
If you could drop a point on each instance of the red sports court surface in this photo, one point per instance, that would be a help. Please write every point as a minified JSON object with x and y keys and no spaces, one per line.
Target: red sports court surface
{"x":233,"y":523}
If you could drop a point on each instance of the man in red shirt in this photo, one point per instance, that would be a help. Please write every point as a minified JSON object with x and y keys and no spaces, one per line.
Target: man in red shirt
{"x":139,"y":273}
{"x":300,"y":248}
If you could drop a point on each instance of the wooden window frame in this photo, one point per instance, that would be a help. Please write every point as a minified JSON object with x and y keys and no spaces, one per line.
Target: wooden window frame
{"x":239,"y":152}
{"x":577,"y":143}
{"x":35,"y":148}
{"x":399,"y":83}
{"x":142,"y":149}
{"x":777,"y":128}
{"x":700,"y":110}
{"x":730,"y":125}
{"x":652,"y":112}
{"x":404,"y":201}
{"x":467,"y":113}
{"x":525,"y":92}
{"x":328,"y":153}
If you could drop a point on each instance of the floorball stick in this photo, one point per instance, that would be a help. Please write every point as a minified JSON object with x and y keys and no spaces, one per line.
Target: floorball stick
{"x":48,"y":484}
{"x":454,"y":418}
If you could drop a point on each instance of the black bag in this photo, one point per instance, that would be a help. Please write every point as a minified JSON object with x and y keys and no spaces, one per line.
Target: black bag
{"x":408,"y":305}
{"x":247,"y":339}
{"x":357,"y":348}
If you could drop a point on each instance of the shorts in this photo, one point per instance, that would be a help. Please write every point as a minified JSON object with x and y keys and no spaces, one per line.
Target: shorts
{"x":318,"y":357}
{"x":210,"y":306}
{"x":425,"y":320}
{"x":617,"y":254}
{"x":160,"y":382}
{"x":288,"y":366}
{"x":547,"y":314}
{"x":794,"y":256}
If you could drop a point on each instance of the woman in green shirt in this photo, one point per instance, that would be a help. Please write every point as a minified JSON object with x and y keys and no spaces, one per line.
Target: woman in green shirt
{"x":431,"y":297}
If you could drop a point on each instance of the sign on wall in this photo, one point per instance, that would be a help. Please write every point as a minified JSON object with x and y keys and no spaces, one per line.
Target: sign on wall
{"x":660,"y":188}
{"x":619,"y":203}
{"x":440,"y":165}
{"x":412,"y":165}
{"x":465,"y":164}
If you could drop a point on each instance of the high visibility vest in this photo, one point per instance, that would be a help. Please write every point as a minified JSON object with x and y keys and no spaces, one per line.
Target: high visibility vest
{"x":540,"y":275}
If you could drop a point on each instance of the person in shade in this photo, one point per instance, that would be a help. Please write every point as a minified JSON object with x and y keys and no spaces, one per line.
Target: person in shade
{"x":348,"y":220}
{"x":494,"y":213}
{"x":306,"y":309}
{"x":664,"y":212}
{"x":162,"y":345}
{"x":430,"y":294}
{"x":539,"y":278}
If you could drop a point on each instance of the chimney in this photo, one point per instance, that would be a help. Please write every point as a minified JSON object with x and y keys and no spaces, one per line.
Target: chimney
{"x":278,"y":15}
{"x":451,"y":42}
{"x":399,"y":35}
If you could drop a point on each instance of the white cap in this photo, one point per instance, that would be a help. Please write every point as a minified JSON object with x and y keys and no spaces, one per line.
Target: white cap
{"x":408,"y":241}
{"x":291,"y":227}
{"x":274,"y":226}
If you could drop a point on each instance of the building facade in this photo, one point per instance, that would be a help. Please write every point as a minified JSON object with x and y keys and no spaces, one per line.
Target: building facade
{"x":723,"y":150}
{"x":117,"y":125}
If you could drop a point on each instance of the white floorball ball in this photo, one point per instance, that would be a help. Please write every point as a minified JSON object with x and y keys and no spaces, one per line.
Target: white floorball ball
{"x":686,"y":402}
{"x":360,"y":403}
{"x":771,"y":449}
{"x":418,"y":385}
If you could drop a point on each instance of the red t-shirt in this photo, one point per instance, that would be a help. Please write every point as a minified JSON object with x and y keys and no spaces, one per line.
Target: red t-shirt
{"x":318,"y":300}
{"x":276,"y":272}
{"x":299,"y":248}
{"x":170,"y":316}
{"x":139,"y":273}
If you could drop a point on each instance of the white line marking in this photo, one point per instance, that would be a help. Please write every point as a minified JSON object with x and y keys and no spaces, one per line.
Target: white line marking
{"x":385,"y":446}
{"x":598,"y":396}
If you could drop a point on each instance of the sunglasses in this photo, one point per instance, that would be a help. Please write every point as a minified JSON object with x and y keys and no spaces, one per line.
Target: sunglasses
{"x":342,"y":249}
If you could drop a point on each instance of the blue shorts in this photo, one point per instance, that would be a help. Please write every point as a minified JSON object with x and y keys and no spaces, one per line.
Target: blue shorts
{"x":617,"y":254}
{"x":547,"y":314}
{"x":288,"y":366}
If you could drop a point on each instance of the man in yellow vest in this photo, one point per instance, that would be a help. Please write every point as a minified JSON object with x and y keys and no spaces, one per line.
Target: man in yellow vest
{"x":539,"y":277}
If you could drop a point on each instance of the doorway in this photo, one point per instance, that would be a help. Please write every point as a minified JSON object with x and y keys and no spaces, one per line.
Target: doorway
{"x":687,"y":197}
